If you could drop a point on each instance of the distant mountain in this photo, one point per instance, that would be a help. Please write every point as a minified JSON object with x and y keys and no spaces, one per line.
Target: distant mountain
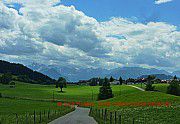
{"x":177,"y":73}
{"x":159,"y":76}
{"x":47,"y":70}
{"x":70,"y":73}
{"x":134,"y":72}
{"x":75,"y":74}
{"x":21,"y":70}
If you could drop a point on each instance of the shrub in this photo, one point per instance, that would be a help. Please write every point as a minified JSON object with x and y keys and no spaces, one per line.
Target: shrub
{"x":6,"y":78}
{"x":105,"y":92}
{"x":174,"y":88}
{"x":149,"y":87}
{"x":12,"y":83}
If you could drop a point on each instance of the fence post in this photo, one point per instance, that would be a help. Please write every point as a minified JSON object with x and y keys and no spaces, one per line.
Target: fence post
{"x":133,"y":120}
{"x":110,"y":117}
{"x":40,"y":117}
{"x":99,"y":113}
{"x":102,"y":113}
{"x":115,"y":117}
{"x":34,"y":117}
{"x":105,"y":115}
{"x":44,"y":113}
{"x":48,"y":114}
{"x":16,"y":118}
{"x":119,"y":118}
{"x":26,"y":118}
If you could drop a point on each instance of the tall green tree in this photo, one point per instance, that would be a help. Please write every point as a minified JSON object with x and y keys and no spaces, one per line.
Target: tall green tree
{"x":149,"y":86}
{"x":175,"y":77}
{"x":105,"y":92}
{"x":120,"y":81}
{"x":61,"y":83}
{"x":111,"y":79}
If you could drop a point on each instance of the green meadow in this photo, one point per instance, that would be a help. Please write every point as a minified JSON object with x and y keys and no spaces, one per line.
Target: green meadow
{"x":48,"y":92}
{"x":25,"y":98}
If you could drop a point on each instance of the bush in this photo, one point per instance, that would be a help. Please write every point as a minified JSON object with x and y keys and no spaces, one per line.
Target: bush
{"x":174,"y":88}
{"x":0,"y":95}
{"x":105,"y":92}
{"x":12,"y":83}
{"x":149,"y":87}
{"x":6,"y":78}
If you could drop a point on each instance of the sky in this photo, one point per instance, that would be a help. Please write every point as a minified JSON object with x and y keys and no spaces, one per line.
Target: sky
{"x":91,"y":34}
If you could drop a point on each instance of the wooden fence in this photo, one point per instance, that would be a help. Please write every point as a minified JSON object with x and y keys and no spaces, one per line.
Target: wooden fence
{"x":40,"y":117}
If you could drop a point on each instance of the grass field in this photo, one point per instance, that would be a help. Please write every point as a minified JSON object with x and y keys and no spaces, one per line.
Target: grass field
{"x":71,"y":93}
{"x":10,"y":107}
{"x":158,"y":87}
{"x":147,"y":114}
{"x":76,"y":93}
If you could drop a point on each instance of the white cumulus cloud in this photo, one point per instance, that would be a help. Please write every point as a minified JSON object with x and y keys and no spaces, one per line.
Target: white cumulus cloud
{"x":68,"y":37}
{"x":162,"y":1}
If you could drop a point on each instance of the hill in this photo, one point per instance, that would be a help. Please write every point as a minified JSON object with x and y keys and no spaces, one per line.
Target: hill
{"x":21,"y":70}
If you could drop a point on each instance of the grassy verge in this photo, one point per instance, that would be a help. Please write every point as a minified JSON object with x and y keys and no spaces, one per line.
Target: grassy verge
{"x":13,"y":110}
{"x":158,"y":87}
{"x":71,"y":93}
{"x":140,"y":114}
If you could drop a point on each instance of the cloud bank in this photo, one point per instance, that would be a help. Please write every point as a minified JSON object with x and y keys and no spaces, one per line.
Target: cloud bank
{"x":62,"y":35}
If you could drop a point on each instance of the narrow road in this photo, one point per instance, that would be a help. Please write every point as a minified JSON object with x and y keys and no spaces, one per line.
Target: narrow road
{"x":79,"y":116}
{"x":137,"y":87}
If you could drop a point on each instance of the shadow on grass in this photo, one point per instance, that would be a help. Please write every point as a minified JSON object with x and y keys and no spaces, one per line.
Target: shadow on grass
{"x":61,"y":92}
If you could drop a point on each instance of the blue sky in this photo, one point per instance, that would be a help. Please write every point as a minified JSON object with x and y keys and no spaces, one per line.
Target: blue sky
{"x":91,"y":33}
{"x":137,"y":10}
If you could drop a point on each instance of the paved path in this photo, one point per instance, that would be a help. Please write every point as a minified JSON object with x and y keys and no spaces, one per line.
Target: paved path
{"x":79,"y":116}
{"x":137,"y":87}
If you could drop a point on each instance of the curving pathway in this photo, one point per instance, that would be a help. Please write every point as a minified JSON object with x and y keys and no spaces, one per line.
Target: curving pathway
{"x":137,"y":87}
{"x":79,"y":116}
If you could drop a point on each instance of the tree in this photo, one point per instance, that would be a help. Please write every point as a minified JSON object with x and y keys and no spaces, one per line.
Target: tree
{"x":105,"y":92}
{"x":111,"y":79}
{"x":0,"y":95}
{"x":149,"y":86}
{"x":6,"y":78}
{"x":175,"y":77}
{"x":157,"y":81}
{"x":120,"y":81}
{"x":61,"y":83}
{"x":93,"y":82}
{"x":101,"y":81}
{"x":174,"y":88}
{"x":150,"y":78}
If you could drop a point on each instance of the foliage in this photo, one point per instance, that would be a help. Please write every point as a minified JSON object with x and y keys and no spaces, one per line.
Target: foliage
{"x":93,"y":81}
{"x":149,"y":87}
{"x":157,"y":81}
{"x":0,"y":95}
{"x":101,"y":81}
{"x":105,"y":91}
{"x":120,"y":81}
{"x":6,"y":78}
{"x":174,"y":88}
{"x":111,"y":79}
{"x":61,"y":83}
{"x":150,"y":81}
